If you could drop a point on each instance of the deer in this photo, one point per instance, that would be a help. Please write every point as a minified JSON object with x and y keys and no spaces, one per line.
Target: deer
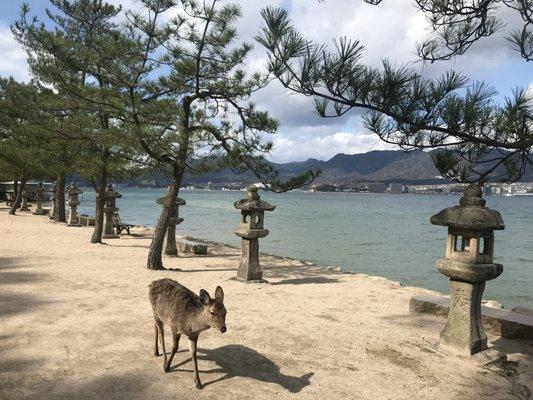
{"x":185,"y":313}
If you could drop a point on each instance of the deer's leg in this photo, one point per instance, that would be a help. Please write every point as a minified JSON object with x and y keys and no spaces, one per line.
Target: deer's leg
{"x":156,"y":343}
{"x":176,"y":342}
{"x":162,"y":336}
{"x":193,"y":340}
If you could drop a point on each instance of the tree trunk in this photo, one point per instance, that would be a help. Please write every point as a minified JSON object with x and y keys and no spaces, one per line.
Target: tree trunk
{"x":100,"y":202}
{"x":178,"y":168}
{"x":60,"y":200}
{"x":53,"y":213}
{"x":156,"y":247}
{"x":15,"y":191}
{"x":18,"y":195}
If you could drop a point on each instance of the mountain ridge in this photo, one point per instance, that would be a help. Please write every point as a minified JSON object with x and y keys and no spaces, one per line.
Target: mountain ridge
{"x":388,"y":166}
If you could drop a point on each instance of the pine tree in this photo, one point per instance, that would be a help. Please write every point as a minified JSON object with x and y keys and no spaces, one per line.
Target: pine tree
{"x":477,"y":136}
{"x":197,"y":116}
{"x":71,"y":55}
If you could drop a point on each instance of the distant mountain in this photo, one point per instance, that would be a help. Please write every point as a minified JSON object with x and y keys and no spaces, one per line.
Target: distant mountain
{"x":375,"y":166}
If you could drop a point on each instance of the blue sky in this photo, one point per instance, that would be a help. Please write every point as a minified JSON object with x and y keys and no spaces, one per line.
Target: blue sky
{"x":389,"y":31}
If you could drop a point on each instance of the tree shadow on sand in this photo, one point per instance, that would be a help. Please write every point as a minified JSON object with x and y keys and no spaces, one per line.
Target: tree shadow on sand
{"x":241,"y":361}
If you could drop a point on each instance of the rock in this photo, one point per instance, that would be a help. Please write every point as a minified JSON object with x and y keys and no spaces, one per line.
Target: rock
{"x":337,"y":269}
{"x":190,"y":247}
{"x":488,"y":356}
{"x":493,"y":304}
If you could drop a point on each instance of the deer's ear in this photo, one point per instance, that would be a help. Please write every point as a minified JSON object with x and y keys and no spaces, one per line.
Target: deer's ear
{"x":219,"y":294}
{"x":204,"y":297}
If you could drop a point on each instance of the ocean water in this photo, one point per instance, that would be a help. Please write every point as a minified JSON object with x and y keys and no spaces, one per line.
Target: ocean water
{"x":379,"y":234}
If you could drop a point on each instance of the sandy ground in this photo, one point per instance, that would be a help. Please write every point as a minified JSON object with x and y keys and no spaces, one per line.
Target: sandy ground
{"x":76,"y":324}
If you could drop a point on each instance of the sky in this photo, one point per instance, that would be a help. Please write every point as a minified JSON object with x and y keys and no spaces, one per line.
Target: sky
{"x":389,"y":31}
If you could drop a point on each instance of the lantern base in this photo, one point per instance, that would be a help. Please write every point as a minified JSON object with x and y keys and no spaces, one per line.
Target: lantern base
{"x":249,"y":267}
{"x":464,"y":330}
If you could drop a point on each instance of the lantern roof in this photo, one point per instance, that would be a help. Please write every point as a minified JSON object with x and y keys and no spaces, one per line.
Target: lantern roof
{"x":110,"y":192}
{"x":253,"y":202}
{"x":471,"y":213}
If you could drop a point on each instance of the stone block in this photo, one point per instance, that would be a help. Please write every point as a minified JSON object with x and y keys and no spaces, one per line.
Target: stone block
{"x":190,"y":247}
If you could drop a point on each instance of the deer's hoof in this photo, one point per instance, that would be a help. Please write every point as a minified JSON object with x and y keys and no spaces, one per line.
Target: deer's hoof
{"x":199,"y":386}
{"x":156,"y":353}
{"x":166,"y":368}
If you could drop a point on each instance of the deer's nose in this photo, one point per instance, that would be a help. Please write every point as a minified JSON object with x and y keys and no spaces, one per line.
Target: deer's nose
{"x":223,"y":329}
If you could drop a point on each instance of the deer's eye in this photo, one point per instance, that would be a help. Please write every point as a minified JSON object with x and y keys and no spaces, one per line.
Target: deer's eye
{"x":212,"y":313}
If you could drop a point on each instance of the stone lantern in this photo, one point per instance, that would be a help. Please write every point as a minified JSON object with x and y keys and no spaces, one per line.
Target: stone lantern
{"x":39,"y":199}
{"x":110,"y":209}
{"x":468,"y":264}
{"x":73,"y":202}
{"x":24,"y":206}
{"x":251,"y":229}
{"x":170,"y":246}
{"x":54,"y":203}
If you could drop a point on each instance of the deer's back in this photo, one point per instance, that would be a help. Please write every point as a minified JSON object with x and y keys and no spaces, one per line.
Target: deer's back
{"x":173,"y":303}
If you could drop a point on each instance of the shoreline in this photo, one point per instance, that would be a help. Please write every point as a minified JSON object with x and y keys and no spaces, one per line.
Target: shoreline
{"x":492,"y":303}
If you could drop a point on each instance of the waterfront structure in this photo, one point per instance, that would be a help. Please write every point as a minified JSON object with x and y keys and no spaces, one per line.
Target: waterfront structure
{"x":251,"y":229}
{"x":171,"y":248}
{"x":468,"y":264}
{"x":73,"y":202}
{"x":39,"y":199}
{"x":111,"y":196}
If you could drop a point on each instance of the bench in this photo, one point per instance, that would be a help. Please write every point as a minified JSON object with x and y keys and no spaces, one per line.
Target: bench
{"x":190,"y":247}
{"x":121,"y":226}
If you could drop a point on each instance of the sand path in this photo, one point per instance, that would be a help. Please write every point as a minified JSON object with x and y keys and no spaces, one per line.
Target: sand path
{"x":76,"y":324}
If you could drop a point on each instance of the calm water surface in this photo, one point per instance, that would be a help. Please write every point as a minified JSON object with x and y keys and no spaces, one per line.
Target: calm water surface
{"x":378,"y":234}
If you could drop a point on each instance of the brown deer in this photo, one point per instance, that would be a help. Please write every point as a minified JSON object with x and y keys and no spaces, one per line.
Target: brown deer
{"x":185,"y":313}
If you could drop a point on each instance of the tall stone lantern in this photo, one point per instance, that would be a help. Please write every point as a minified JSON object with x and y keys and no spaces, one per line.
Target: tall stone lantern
{"x":170,"y":243}
{"x":39,"y":199}
{"x":468,"y":264}
{"x":111,"y":196}
{"x":73,"y":202}
{"x":251,"y":229}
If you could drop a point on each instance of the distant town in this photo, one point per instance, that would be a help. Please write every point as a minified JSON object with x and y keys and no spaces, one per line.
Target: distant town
{"x":490,"y":189}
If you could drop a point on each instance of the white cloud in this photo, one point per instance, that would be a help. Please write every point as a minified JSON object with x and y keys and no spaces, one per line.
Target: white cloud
{"x":13,"y":61}
{"x":301,"y":147}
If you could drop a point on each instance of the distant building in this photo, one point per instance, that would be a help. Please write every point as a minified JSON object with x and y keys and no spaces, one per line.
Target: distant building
{"x":397,"y":188}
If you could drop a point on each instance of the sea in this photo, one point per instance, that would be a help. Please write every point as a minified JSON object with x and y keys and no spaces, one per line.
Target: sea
{"x":386,"y":235}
